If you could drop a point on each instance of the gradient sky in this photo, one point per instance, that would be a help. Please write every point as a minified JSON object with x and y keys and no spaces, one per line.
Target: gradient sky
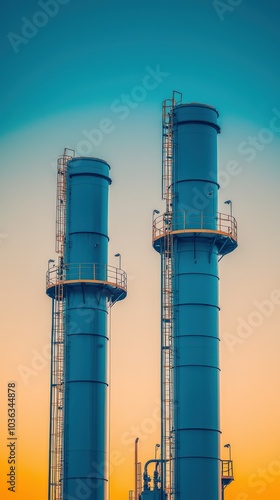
{"x":58,"y":84}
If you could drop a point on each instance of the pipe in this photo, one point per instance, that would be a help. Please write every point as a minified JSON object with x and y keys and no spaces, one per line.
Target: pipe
{"x":135,"y":469}
{"x":146,"y":476}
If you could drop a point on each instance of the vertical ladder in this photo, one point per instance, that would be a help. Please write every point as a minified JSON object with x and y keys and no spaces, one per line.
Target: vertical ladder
{"x":167,"y":302}
{"x":57,"y":347}
{"x":139,"y":479}
{"x":167,"y":152}
{"x":167,"y":364}
{"x":61,"y":200}
{"x":57,"y":378}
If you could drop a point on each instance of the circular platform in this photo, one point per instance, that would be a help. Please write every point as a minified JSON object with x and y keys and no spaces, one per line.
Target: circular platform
{"x":111,"y":279}
{"x":220,"y":228}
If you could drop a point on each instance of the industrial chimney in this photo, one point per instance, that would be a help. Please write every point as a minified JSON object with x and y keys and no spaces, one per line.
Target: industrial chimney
{"x":83,"y":287}
{"x":191,"y":237}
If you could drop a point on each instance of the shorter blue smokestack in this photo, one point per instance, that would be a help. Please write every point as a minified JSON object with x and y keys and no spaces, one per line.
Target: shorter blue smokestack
{"x":90,"y":286}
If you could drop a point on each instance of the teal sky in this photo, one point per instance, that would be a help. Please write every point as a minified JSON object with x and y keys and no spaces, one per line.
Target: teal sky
{"x":91,"y":52}
{"x":73,"y":74}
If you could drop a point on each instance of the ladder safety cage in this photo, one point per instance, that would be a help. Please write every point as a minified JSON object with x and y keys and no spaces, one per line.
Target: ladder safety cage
{"x":167,"y":299}
{"x":57,"y":358}
{"x":61,"y":200}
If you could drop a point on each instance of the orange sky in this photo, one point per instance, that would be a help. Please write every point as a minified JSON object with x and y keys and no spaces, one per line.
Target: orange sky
{"x":250,"y":406}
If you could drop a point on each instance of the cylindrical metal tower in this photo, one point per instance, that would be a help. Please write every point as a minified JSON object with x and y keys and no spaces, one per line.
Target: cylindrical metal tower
{"x":191,"y":237}
{"x":89,"y":287}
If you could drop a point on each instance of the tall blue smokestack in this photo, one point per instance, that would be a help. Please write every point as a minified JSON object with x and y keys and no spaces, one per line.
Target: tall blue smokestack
{"x":89,"y":287}
{"x":191,"y":237}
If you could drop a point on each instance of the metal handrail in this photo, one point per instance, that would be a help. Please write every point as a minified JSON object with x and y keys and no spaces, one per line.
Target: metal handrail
{"x":227,"y":468}
{"x":86,"y":272}
{"x":187,"y":220}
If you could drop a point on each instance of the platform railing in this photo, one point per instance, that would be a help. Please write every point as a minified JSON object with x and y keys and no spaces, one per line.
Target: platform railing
{"x":227,"y":468}
{"x":102,"y":273}
{"x":194,"y":221}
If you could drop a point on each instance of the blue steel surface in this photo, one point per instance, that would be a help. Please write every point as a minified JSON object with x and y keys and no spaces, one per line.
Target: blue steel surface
{"x":87,"y":211}
{"x":195,"y":286}
{"x":86,"y":338}
{"x":195,"y":299}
